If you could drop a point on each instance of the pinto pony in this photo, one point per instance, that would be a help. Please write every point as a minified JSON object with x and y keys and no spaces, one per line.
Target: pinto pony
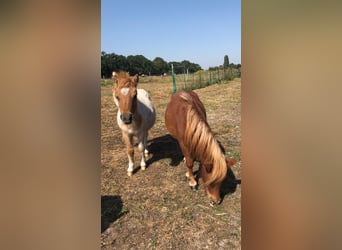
{"x":136,"y":115}
{"x":186,"y":120}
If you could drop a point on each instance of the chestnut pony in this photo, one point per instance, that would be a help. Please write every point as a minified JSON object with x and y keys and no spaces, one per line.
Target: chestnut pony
{"x":136,"y":115}
{"x":186,"y":120}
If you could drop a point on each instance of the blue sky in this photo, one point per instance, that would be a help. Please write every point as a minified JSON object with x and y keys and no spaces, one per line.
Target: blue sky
{"x":200,"y":31}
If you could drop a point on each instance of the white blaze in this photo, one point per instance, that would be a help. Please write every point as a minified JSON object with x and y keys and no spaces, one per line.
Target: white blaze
{"x":124,"y":91}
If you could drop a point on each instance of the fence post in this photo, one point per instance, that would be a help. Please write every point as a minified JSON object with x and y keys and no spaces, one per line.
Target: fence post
{"x":173,"y":80}
{"x":193,"y":80}
{"x":184,"y":78}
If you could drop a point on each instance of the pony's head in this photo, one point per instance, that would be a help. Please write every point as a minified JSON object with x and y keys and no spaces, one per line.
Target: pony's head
{"x":125,"y":95}
{"x":212,"y":184}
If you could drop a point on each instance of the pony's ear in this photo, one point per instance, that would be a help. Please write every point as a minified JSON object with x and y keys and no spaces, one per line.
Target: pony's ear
{"x":135,"y":80}
{"x":230,"y":162}
{"x":115,"y":78}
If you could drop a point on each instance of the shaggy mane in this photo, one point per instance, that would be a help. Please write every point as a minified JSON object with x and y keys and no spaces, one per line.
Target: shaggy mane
{"x":202,"y":144}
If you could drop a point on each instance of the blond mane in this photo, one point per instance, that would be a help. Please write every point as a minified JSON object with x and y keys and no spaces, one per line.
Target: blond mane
{"x":202,"y":144}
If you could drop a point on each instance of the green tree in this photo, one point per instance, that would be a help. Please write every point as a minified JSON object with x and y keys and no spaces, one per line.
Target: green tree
{"x":225,"y":62}
{"x":139,"y":65}
{"x":159,"y":66}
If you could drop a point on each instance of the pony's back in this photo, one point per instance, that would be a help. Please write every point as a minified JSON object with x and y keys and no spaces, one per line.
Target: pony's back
{"x":176,"y":112}
{"x":146,"y":108}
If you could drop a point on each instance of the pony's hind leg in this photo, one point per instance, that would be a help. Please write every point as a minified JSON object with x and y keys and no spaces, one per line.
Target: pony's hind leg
{"x":142,"y":149}
{"x":145,"y":144}
{"x":128,"y":139}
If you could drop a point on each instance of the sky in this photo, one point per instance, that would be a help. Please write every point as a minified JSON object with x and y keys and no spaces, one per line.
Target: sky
{"x":200,"y":31}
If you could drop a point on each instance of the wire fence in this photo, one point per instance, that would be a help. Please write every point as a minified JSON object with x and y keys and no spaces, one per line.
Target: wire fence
{"x":202,"y":79}
{"x":190,"y":81}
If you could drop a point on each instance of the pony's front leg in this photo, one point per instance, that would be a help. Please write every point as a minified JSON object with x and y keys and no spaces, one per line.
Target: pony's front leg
{"x":145,"y":144}
{"x":189,"y":163}
{"x":128,"y":139}
{"x":142,"y":149}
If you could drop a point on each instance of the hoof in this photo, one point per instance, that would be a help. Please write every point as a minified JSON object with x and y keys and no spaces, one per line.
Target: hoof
{"x":146,"y":153}
{"x":187,"y":176}
{"x":213,"y":203}
{"x":143,"y":168}
{"x":129,"y":173}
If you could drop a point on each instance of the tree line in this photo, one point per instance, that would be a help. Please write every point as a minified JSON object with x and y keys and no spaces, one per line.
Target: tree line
{"x":138,"y":64}
{"x":226,"y":65}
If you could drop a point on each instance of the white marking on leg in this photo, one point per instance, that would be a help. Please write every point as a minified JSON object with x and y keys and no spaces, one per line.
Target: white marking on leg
{"x":124,"y":91}
{"x":146,"y":152}
{"x":192,"y":184}
{"x":130,"y":165}
{"x":141,"y":149}
{"x":143,"y":164}
{"x":145,"y":144}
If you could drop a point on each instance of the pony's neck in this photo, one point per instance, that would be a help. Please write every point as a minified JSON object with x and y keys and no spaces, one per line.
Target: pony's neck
{"x":137,"y":118}
{"x":199,"y":138}
{"x":213,"y":150}
{"x":214,"y":161}
{"x":202,"y":144}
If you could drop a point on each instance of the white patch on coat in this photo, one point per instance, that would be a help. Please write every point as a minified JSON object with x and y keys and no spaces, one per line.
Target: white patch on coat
{"x":124,"y":91}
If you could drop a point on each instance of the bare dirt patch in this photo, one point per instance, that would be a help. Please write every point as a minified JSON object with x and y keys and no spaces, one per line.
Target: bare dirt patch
{"x":155,"y":208}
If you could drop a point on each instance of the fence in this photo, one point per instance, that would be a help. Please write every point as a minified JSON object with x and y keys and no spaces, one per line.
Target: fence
{"x":189,"y":81}
{"x":202,"y":78}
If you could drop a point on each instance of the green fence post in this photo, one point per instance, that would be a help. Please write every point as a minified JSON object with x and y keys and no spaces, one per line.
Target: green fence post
{"x":173,"y":80}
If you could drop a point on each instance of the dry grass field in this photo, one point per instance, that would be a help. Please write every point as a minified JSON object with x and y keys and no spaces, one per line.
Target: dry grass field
{"x":155,"y":208}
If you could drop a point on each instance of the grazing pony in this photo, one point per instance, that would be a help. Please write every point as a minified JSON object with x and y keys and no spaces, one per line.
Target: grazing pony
{"x":186,"y":120}
{"x":136,"y":115}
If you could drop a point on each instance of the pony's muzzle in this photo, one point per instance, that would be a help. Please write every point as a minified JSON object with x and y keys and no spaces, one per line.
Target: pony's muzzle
{"x":215,"y":203}
{"x":127,"y":118}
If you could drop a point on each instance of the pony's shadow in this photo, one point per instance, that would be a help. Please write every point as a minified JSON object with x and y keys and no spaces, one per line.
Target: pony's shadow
{"x":111,"y":210}
{"x":229,"y":184}
{"x":165,"y":147}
